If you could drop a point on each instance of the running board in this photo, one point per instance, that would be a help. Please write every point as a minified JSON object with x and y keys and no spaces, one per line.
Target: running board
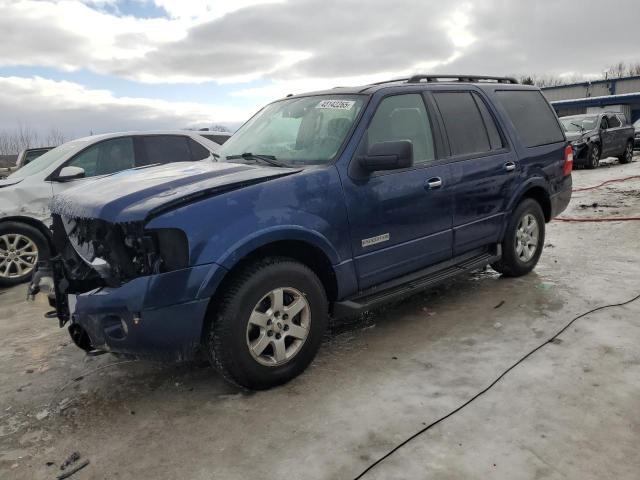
{"x":411,"y":283}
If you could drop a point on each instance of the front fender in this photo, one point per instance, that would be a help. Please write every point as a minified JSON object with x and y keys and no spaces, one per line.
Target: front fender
{"x":245,"y":246}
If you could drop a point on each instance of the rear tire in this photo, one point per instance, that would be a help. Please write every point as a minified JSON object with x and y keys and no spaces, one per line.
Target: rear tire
{"x":268,"y":323}
{"x":22,"y":246}
{"x":627,"y":156}
{"x":523,"y":240}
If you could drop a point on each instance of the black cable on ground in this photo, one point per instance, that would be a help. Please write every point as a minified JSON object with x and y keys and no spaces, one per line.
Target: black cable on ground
{"x":485,"y":390}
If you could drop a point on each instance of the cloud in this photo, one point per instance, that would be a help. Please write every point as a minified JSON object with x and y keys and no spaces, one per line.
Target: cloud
{"x":43,"y":104}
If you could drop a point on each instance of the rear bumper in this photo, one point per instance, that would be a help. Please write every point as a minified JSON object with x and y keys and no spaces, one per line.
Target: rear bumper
{"x":159,"y":317}
{"x":560,"y":200}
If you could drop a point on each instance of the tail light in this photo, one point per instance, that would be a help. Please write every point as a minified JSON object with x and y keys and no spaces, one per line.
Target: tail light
{"x":568,"y":160}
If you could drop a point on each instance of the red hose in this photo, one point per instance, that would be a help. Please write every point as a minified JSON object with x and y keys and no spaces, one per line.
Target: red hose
{"x":605,"y":183}
{"x":600,"y":219}
{"x":603,"y":219}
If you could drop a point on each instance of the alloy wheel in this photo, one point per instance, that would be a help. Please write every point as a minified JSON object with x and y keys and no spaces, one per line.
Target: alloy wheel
{"x":278,"y":326}
{"x":527,"y":236}
{"x":18,"y":255}
{"x":595,"y":156}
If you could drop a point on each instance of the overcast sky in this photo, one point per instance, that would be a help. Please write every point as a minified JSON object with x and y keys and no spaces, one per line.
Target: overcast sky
{"x":109,"y":65}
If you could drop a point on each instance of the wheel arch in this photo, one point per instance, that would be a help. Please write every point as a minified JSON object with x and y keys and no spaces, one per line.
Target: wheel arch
{"x":538,"y":192}
{"x":32,"y":222}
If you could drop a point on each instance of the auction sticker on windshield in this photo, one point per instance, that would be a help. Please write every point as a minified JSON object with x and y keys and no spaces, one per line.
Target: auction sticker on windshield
{"x":336,"y":104}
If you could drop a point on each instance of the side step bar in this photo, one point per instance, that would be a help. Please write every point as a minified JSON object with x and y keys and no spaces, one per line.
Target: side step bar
{"x":414,"y":282}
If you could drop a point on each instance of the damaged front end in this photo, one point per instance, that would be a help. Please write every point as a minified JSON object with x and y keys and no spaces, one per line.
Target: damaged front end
{"x":96,"y":260}
{"x":97,"y":253}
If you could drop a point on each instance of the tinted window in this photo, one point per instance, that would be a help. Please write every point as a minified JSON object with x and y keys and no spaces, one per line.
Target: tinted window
{"x":106,"y":157}
{"x":198,"y":152}
{"x":165,"y":149}
{"x":604,"y":124}
{"x":463,"y":122}
{"x":219,"y":139}
{"x":531,"y":116}
{"x":613,"y":121}
{"x":622,"y":117}
{"x":492,"y":130}
{"x":403,"y":117}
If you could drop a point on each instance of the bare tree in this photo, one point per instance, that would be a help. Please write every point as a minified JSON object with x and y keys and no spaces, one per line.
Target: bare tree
{"x":55,"y":137}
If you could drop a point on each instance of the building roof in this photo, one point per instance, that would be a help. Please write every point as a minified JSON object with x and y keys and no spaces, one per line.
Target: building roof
{"x":592,"y":82}
{"x":598,"y":101}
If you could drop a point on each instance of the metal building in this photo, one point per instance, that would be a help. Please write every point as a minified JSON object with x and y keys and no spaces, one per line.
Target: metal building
{"x":615,"y":94}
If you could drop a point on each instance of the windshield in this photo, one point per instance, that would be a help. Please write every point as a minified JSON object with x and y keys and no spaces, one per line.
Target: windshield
{"x":307,"y":130}
{"x":47,"y":159}
{"x":637,"y":123}
{"x":573,"y":124}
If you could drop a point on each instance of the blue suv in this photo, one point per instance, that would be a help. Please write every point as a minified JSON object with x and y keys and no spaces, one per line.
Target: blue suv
{"x":322,"y":204}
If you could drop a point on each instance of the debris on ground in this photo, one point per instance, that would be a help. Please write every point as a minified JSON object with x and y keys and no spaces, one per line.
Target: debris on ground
{"x":499,"y":304}
{"x":75,"y":469}
{"x":497,"y":325}
{"x":42,"y":414}
{"x":71,"y":459}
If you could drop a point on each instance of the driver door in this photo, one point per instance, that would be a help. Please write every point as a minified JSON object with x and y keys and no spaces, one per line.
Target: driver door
{"x":400,"y":220}
{"x":608,"y":138}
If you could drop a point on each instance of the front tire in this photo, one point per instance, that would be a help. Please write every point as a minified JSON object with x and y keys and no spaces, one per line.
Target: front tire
{"x":593,"y":156}
{"x":268,"y":324}
{"x":627,"y":156}
{"x":523,"y":240}
{"x":21,"y":247}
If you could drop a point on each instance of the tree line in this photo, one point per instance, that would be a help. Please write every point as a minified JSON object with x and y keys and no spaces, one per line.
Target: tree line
{"x":23,"y":136}
{"x":617,"y":70}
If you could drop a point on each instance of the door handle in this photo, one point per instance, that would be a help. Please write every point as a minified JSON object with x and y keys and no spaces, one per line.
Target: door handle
{"x":433,"y":183}
{"x":509,"y":166}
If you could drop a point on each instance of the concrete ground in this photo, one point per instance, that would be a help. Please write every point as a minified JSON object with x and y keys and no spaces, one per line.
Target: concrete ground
{"x":569,"y":411}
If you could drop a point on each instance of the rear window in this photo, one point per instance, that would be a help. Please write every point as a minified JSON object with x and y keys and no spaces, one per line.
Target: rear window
{"x":532,"y":117}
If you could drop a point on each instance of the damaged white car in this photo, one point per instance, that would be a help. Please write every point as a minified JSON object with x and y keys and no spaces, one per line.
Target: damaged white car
{"x":25,"y":194}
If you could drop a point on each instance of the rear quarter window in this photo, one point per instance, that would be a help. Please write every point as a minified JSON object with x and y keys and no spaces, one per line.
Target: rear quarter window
{"x":531,"y":116}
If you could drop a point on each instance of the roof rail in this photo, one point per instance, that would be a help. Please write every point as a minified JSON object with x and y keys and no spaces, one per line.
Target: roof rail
{"x":461,"y":78}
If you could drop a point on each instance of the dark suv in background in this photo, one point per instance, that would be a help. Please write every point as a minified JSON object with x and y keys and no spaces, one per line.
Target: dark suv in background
{"x":322,"y":204}
{"x":599,"y":135}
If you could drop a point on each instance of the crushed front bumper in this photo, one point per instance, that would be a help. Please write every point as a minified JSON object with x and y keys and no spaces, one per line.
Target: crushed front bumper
{"x":158,"y":317}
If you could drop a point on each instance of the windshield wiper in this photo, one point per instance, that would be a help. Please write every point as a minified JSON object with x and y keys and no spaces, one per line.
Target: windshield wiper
{"x":577,"y":125}
{"x":270,"y":159}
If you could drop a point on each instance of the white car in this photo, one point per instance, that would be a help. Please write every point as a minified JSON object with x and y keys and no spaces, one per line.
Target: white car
{"x":26,"y":193}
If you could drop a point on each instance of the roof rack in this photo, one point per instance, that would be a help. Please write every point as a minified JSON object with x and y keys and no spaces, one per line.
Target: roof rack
{"x":461,"y":78}
{"x":457,"y":78}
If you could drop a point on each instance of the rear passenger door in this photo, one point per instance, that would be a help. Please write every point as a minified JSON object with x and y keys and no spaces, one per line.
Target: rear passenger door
{"x":617,"y":133}
{"x":483,"y":170}
{"x":159,"y":149}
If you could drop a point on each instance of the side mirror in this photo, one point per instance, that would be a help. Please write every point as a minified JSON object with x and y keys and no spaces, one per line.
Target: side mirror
{"x":70,"y":173}
{"x":388,"y":156}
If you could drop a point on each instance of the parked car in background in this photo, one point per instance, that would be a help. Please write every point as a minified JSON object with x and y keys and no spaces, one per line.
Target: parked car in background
{"x":28,"y":155}
{"x":636,"y":126}
{"x":25,"y":195}
{"x":599,"y":135}
{"x":327,"y":203}
{"x":218,"y":137}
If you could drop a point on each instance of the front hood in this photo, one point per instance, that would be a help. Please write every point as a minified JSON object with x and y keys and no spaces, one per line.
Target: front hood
{"x":134,"y":195}
{"x":7,"y":182}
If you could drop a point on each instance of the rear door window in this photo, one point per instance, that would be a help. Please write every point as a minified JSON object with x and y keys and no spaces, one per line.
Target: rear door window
{"x":463,"y":122}
{"x":532,"y":117}
{"x":613,"y":121}
{"x":165,"y":149}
